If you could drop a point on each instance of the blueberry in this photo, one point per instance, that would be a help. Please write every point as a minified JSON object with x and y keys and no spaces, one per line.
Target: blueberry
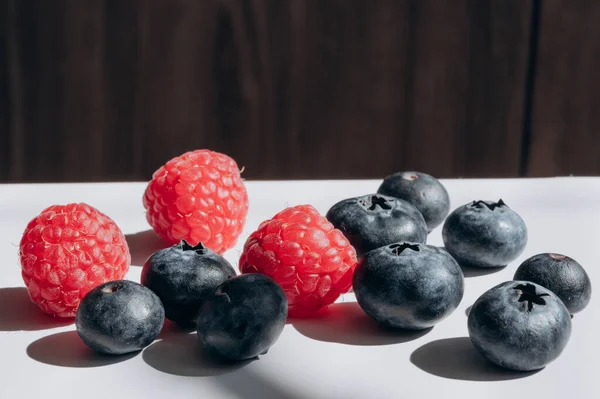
{"x":375,"y":220}
{"x":119,"y":317}
{"x":243,"y":318}
{"x":561,"y":275}
{"x":484,"y":234}
{"x":182,"y":276}
{"x":519,"y":325}
{"x":408,"y":285}
{"x":423,"y":191}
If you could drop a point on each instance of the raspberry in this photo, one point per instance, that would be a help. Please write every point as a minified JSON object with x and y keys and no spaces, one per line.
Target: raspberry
{"x":66,"y":251}
{"x":198,"y":197}
{"x":311,"y":260}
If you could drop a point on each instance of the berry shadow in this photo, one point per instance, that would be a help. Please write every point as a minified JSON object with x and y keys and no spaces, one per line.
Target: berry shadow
{"x":181,"y":354}
{"x":457,"y":359}
{"x":18,"y":313}
{"x":346,"y":323}
{"x":143,"y":244}
{"x":66,"y":349}
{"x":248,"y":384}
{"x":468,"y":310}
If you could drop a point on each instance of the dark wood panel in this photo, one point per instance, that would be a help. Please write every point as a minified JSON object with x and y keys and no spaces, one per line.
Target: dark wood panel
{"x":83,"y":90}
{"x":121,"y":69}
{"x":5,"y":108}
{"x":347,"y":99}
{"x":37,"y":90}
{"x":467,"y":87}
{"x":109,"y":90}
{"x":565,"y":131}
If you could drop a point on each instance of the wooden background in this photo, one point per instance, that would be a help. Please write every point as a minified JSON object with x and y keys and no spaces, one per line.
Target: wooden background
{"x":95,"y":90}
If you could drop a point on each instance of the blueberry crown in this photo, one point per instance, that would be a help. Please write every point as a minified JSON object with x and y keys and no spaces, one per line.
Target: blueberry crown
{"x":200,"y":249}
{"x":399,"y":248}
{"x":112,"y":287}
{"x":528,"y":295}
{"x":491,"y":206}
{"x":374,"y":201}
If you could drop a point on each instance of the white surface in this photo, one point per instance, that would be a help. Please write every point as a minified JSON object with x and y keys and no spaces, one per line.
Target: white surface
{"x":39,"y":359}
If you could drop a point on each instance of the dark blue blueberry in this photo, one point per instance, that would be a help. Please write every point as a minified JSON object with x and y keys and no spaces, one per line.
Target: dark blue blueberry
{"x":408,"y":285}
{"x":243,"y":318}
{"x":375,"y":220}
{"x":561,"y":275}
{"x":119,"y":317}
{"x":182,"y":276}
{"x":484,"y":234}
{"x":519,"y":325}
{"x":425,"y":192}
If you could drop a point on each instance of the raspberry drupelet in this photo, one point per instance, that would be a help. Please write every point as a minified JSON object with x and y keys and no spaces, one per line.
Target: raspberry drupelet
{"x":311,"y":260}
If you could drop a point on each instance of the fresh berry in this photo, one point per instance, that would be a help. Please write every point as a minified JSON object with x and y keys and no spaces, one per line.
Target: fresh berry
{"x":519,"y":325}
{"x":372,"y":221}
{"x":408,"y":285}
{"x":66,"y":251}
{"x":119,"y":317}
{"x":304,"y":253}
{"x":243,"y":318}
{"x":561,"y":275}
{"x":198,"y":197}
{"x":183,"y":276}
{"x":484,"y":234}
{"x":423,"y":191}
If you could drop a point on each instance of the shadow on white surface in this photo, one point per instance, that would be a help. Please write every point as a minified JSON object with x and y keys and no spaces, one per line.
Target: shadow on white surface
{"x":181,"y":354}
{"x":143,"y":244}
{"x":18,"y":313}
{"x":468,"y":310}
{"x":346,"y":323}
{"x":247,"y":384}
{"x":66,"y":349}
{"x":456,"y":358}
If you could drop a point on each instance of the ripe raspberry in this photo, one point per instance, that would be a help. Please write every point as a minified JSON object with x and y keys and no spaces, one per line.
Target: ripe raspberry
{"x":66,"y":251}
{"x":305,"y":254}
{"x":198,"y":197}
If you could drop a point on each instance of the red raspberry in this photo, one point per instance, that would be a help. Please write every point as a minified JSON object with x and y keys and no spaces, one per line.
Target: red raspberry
{"x":305,"y":254}
{"x":66,"y":251}
{"x":200,"y":197}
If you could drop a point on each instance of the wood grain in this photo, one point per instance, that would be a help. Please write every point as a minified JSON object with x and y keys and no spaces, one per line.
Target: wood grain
{"x":37,"y":85}
{"x":109,"y":89}
{"x":5,"y":106}
{"x":565,"y":131}
{"x":467,"y":90}
{"x":121,"y":68}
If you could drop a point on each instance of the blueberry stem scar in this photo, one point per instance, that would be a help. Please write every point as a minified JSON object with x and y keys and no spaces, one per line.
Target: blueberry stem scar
{"x":491,"y":207}
{"x":109,"y":289}
{"x":199,"y":249}
{"x":527,"y":294}
{"x":398,"y":248}
{"x":376,"y":201}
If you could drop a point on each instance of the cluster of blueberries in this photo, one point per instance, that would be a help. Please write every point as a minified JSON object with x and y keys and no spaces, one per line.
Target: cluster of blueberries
{"x":242,"y":315}
{"x":400,"y":282}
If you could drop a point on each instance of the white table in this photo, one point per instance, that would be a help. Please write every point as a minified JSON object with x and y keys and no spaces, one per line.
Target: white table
{"x":339,"y":355}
